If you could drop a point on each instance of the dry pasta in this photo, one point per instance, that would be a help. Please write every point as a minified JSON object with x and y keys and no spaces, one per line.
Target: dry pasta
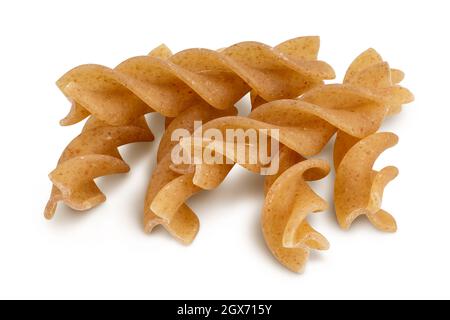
{"x":186,"y":227}
{"x":370,"y":71}
{"x":367,"y":70}
{"x":358,"y":188}
{"x":355,"y":109}
{"x":90,"y":155}
{"x":93,"y":90}
{"x":290,"y":103}
{"x":170,"y":84}
{"x":305,"y":128}
{"x":93,"y":153}
{"x":302,"y":50}
{"x":288,"y":202}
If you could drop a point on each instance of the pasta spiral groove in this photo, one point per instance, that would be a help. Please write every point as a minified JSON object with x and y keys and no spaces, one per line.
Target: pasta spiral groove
{"x":169,"y":84}
{"x":90,"y":155}
{"x":304,"y":128}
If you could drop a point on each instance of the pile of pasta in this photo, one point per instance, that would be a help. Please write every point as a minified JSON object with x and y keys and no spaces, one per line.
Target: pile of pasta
{"x":288,"y":93}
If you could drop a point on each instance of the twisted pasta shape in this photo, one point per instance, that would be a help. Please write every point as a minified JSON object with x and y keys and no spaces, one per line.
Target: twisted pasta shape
{"x":288,"y":95}
{"x":304,"y":128}
{"x":186,"y":226}
{"x":93,"y":83}
{"x":355,"y":110}
{"x":288,"y":202}
{"x":94,"y":152}
{"x":90,"y":155}
{"x":186,"y":120}
{"x":299,"y":49}
{"x":170,"y":84}
{"x":371,"y":72}
{"x":358,"y":188}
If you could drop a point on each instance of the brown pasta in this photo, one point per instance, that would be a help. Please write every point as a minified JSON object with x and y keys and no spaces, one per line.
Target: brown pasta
{"x":369,"y":71}
{"x":186,"y":226}
{"x":97,"y":85}
{"x":90,"y":155}
{"x":305,"y":128}
{"x":170,"y":84}
{"x":359,"y":189}
{"x":302,"y":51}
{"x":355,"y":109}
{"x":290,"y":103}
{"x":284,"y":221}
{"x":93,"y":153}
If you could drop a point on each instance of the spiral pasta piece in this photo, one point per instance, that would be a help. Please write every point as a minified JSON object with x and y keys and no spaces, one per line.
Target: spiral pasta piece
{"x":91,"y":82}
{"x":74,"y":180}
{"x":196,"y":91}
{"x":288,"y":202}
{"x":299,"y":49}
{"x":186,"y":120}
{"x":358,"y":188}
{"x":370,"y":71}
{"x":169,"y":84}
{"x":304,"y":128}
{"x":94,"y":152}
{"x":90,"y":155}
{"x":186,"y":226}
{"x":309,"y":52}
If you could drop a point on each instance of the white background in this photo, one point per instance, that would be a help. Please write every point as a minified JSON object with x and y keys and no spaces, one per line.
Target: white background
{"x":106,"y":254}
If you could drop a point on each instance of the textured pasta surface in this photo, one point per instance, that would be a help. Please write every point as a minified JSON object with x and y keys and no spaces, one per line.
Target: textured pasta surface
{"x":304,"y":128}
{"x":299,"y":51}
{"x":196,"y":90}
{"x":288,"y":202}
{"x":359,"y":189}
{"x":169,"y":84}
{"x":91,"y":155}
